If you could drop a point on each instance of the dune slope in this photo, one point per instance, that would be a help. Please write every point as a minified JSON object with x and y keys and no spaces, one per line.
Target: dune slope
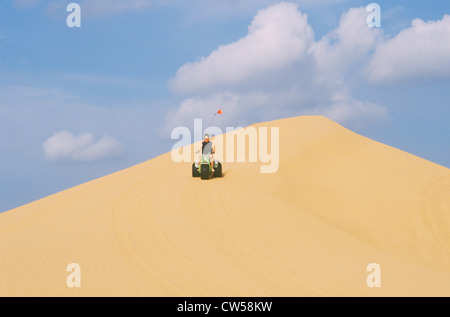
{"x":338,"y":202}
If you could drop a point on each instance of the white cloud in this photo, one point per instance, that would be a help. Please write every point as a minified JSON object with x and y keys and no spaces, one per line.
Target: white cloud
{"x":64,"y":146}
{"x":277,"y":37}
{"x":346,"y":110}
{"x":346,"y":46}
{"x":279,"y":69}
{"x":421,"y":51}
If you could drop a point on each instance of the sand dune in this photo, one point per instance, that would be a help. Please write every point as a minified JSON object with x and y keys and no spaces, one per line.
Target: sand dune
{"x":338,"y":202}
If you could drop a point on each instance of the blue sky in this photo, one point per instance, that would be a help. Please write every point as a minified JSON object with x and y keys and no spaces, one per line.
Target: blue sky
{"x":80,"y":103}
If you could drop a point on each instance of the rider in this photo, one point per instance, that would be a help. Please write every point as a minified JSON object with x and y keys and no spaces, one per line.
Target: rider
{"x":208,"y":148}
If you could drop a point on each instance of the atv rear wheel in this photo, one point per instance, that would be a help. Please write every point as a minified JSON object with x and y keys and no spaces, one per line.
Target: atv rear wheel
{"x":195,"y":172}
{"x":218,"y":170}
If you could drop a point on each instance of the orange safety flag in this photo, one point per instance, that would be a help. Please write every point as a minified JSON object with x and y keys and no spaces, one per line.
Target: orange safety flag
{"x":218,"y":112}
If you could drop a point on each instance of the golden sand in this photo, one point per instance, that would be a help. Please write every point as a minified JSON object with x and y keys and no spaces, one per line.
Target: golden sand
{"x":338,"y":202}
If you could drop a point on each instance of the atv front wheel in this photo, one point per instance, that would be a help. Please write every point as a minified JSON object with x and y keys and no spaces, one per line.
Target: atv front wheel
{"x":204,"y":171}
